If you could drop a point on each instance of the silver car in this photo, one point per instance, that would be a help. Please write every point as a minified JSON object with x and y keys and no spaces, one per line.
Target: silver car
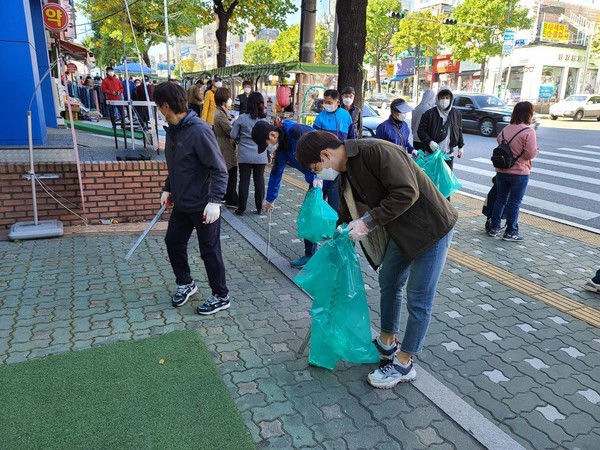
{"x":577,"y":106}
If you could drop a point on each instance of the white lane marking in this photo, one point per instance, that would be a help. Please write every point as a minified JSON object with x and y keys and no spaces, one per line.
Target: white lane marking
{"x":576,"y":150}
{"x":554,"y":173}
{"x":591,"y":146}
{"x":576,"y":192}
{"x":550,"y":162}
{"x":538,"y":203}
{"x":564,"y":155}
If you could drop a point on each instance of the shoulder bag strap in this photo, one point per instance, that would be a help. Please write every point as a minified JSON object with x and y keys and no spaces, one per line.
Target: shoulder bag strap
{"x":511,"y":139}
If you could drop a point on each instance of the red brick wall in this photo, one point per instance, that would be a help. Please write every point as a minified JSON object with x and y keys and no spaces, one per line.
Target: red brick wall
{"x":124,"y":191}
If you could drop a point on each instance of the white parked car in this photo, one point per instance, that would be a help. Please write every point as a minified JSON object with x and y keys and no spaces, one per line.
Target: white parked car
{"x":577,"y":106}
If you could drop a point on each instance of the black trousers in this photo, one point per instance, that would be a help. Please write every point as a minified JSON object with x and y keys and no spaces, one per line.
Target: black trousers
{"x":258,"y":174}
{"x":178,"y":234}
{"x":231,"y":195}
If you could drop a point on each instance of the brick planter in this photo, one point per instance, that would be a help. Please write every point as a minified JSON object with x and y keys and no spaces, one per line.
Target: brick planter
{"x":122,"y":191}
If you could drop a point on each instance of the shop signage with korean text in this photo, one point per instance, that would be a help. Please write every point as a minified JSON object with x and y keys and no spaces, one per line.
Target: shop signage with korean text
{"x":445,"y":65}
{"x":55,"y":17}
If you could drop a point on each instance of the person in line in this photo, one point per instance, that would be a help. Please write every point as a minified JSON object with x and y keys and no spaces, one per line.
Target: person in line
{"x":593,"y":284}
{"x":196,"y":97}
{"x":348,"y":94}
{"x":250,"y":161}
{"x":195,"y":185}
{"x":222,"y":127}
{"x":128,"y":84}
{"x":334,"y":119}
{"x":241,"y":101}
{"x":427,"y":102}
{"x":281,"y":142}
{"x":113,"y":90}
{"x":140,"y":94}
{"x":208,"y":109}
{"x":395,"y":129}
{"x":405,"y":226}
{"x":511,"y":183}
{"x":441,"y":127}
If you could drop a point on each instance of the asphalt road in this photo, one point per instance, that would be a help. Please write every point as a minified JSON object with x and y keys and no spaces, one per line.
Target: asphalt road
{"x":565,"y":181}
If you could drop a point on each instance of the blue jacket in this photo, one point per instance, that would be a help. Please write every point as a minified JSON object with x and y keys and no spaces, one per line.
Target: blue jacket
{"x":397,"y":134}
{"x":289,"y":133}
{"x":338,"y":123}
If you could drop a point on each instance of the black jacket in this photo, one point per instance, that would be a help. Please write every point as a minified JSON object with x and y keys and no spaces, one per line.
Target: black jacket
{"x":197,"y":171}
{"x":431,"y":128}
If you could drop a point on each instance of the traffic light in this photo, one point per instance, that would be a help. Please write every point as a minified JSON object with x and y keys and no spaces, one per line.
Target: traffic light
{"x":449,"y":21}
{"x":396,"y":15}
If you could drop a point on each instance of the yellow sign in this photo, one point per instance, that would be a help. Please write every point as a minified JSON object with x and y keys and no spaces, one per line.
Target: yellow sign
{"x":390,"y":70}
{"x":555,"y":32}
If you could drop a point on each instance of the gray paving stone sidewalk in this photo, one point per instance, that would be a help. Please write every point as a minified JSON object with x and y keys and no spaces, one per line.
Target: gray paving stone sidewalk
{"x":525,"y":366}
{"x":75,"y":292}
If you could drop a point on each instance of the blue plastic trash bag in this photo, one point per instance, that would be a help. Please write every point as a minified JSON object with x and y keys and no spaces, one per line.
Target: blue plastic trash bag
{"x":316,"y":219}
{"x":438,"y":171}
{"x":340,"y":316}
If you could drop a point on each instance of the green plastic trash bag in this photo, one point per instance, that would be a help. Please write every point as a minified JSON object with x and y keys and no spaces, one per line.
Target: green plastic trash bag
{"x":340,"y":317}
{"x":437,"y":170}
{"x":316,"y":219}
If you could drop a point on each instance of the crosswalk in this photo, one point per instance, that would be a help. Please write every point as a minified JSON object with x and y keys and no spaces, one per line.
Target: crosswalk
{"x":564,"y":182}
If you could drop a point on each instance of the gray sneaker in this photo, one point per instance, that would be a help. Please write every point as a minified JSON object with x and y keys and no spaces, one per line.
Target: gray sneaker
{"x":494,"y":232}
{"x":184,"y":292}
{"x":390,"y":373}
{"x":514,"y":237}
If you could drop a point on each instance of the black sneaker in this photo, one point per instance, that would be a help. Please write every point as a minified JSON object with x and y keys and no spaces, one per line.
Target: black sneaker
{"x":184,"y":292}
{"x":494,"y":232}
{"x":213,"y":304}
{"x":512,"y":237}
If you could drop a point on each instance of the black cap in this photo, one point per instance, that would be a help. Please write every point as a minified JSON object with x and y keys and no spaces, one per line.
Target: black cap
{"x":260,"y":134}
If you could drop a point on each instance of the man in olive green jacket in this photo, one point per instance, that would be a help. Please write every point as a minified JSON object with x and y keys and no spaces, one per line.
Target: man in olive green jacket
{"x":405,"y":226}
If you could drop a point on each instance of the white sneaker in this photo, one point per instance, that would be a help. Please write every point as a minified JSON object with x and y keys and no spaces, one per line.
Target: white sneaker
{"x":592,"y":287}
{"x":390,"y":373}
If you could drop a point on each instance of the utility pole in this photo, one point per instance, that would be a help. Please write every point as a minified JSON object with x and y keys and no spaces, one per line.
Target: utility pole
{"x":502,"y":55}
{"x":308,"y":20}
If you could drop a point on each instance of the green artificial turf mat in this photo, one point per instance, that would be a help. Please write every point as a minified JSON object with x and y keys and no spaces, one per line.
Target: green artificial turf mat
{"x":120,"y":396}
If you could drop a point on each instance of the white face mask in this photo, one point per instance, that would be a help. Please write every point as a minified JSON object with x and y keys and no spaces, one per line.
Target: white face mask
{"x":328,"y":174}
{"x":399,"y":116}
{"x":272,"y":148}
{"x":444,"y":103}
{"x":219,"y":84}
{"x":348,"y":101}
{"x":247,"y":90}
{"x":110,"y":73}
{"x":229,"y":103}
{"x":329,"y":108}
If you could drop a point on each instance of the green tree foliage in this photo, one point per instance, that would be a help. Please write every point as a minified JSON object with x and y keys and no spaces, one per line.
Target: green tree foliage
{"x":111,"y":27}
{"x":479,"y":44}
{"x":237,"y":14}
{"x":287,"y":45}
{"x":258,"y":52}
{"x":423,"y":35}
{"x":380,"y":30}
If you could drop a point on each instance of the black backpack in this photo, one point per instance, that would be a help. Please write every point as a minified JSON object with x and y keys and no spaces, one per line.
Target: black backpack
{"x":502,"y":156}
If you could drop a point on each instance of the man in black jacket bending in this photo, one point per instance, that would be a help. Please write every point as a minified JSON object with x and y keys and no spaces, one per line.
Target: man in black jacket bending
{"x":195,"y":185}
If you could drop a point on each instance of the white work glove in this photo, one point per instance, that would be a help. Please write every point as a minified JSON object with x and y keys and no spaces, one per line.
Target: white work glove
{"x":358,"y":230}
{"x":165,"y":198}
{"x":211,"y":213}
{"x":268,"y":206}
{"x":317,"y":182}
{"x":460,"y":152}
{"x":433,"y":146}
{"x":415,"y":153}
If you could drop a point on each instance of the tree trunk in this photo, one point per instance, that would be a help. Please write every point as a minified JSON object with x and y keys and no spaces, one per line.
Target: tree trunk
{"x":146,"y":57}
{"x":482,"y":75}
{"x":221,"y":34}
{"x":352,"y":20}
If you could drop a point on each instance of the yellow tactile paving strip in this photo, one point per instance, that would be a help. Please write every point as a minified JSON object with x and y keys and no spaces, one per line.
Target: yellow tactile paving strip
{"x":508,"y":279}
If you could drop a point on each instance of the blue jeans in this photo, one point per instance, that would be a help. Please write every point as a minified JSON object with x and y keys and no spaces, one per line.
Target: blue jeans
{"x":420,"y":275}
{"x":510,"y":190}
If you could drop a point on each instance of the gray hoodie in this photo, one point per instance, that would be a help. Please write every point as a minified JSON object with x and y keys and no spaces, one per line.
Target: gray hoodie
{"x":427,"y":102}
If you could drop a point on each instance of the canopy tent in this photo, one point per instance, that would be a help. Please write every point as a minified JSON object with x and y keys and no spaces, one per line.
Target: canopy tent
{"x":246,"y":71}
{"x":74,"y":50}
{"x":135,"y":68}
